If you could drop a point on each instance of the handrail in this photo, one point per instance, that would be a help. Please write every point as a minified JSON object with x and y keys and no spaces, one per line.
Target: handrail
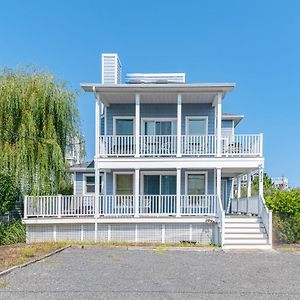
{"x":221,"y":218}
{"x":266,"y":216}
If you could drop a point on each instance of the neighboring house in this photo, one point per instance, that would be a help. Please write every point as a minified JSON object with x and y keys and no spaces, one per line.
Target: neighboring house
{"x":281,"y":183}
{"x":75,"y":151}
{"x":165,"y":159}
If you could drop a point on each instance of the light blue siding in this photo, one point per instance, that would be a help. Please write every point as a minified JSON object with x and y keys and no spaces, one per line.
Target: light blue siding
{"x":162,"y":111}
{"x":79,"y":183}
{"x":227,"y":124}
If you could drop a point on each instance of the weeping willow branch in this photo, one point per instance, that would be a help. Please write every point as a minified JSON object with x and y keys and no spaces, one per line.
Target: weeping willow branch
{"x":38,"y":119}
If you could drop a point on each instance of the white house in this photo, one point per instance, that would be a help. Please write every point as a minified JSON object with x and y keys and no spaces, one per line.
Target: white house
{"x":165,"y":158}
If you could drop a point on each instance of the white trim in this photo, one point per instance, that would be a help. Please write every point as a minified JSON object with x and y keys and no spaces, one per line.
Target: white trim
{"x":226,"y":191}
{"x":188,"y":118}
{"x":159,"y":173}
{"x":123,"y":118}
{"x":173,"y":126}
{"x":122,"y":173}
{"x":186,"y":173}
{"x":74,"y":183}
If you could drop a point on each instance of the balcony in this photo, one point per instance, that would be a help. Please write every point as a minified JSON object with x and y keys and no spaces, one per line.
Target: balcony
{"x":120,"y":206}
{"x":248,"y":145}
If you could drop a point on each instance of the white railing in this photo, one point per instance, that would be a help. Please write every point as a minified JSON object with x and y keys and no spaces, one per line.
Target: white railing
{"x":58,"y":206}
{"x":158,"y":145}
{"x":247,"y":145}
{"x":242,"y":145}
{"x":266,"y":216}
{"x":117,"y":145}
{"x":157,"y":205}
{"x":198,"y":145}
{"x":245,"y":205}
{"x":221,"y":219}
{"x":116,"y":205}
{"x":198,"y":205}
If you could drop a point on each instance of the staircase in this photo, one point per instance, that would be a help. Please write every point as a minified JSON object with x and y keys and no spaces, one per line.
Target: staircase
{"x":245,"y":232}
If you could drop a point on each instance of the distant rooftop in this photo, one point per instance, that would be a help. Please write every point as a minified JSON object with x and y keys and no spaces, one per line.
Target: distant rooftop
{"x":155,"y":78}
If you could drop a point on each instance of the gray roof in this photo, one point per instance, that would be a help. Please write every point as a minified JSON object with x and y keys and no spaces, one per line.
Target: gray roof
{"x":84,"y":166}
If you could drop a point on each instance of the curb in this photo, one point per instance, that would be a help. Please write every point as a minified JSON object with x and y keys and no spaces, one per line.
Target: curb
{"x":33,"y":261}
{"x":184,"y":249}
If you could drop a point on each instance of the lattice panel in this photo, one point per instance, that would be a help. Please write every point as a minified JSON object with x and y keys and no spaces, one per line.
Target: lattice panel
{"x":149,"y":233}
{"x":68,"y":232}
{"x":123,"y":232}
{"x":175,"y":233}
{"x":102,"y":233}
{"x":202,"y":233}
{"x":88,"y":232}
{"x":39,"y":233}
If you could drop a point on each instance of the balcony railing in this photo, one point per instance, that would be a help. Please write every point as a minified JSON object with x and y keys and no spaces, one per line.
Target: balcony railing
{"x":119,"y":205}
{"x":248,"y":145}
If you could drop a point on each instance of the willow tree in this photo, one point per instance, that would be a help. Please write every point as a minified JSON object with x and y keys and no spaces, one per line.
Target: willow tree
{"x":38,"y":118}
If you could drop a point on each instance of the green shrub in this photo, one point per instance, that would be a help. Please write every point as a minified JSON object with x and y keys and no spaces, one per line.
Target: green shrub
{"x":9,"y":192}
{"x":286,"y":215}
{"x":12,"y":233}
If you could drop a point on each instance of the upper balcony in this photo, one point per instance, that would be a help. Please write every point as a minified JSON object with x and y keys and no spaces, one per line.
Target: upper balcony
{"x":248,"y":145}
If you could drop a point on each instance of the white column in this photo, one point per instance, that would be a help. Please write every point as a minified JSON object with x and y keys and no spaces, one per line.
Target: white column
{"x":178,"y":192}
{"x":219,"y":122}
{"x":136,"y":192}
{"x":248,"y":185}
{"x":239,"y":185}
{"x":105,"y":120}
{"x":137,"y":125}
{"x":218,"y":185}
{"x":97,"y":190}
{"x":179,"y":118}
{"x":261,"y":182}
{"x":97,"y":125}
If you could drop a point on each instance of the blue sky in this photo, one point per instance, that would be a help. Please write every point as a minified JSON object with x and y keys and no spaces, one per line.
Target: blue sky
{"x":253,"y":43}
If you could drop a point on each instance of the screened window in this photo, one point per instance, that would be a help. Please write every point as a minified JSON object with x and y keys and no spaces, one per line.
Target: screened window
{"x":160,"y":185}
{"x":196,"y":184}
{"x":90,"y":184}
{"x":160,"y":127}
{"x":197,"y":126}
{"x":124,"y":126}
{"x":124,"y":184}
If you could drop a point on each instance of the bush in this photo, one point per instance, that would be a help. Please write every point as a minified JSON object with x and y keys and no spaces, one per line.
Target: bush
{"x":286,"y":214}
{"x":9,"y":192}
{"x":12,"y":233}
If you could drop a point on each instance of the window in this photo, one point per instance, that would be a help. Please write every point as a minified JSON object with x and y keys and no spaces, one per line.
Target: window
{"x":124,"y":184}
{"x":196,"y":126}
{"x":159,"y":184}
{"x":196,"y":184}
{"x":124,"y":126}
{"x":160,"y":127}
{"x":90,"y":184}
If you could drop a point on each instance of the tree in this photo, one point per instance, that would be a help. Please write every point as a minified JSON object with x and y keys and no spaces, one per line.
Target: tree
{"x":9,"y":192}
{"x":268,"y":185}
{"x":38,"y":116}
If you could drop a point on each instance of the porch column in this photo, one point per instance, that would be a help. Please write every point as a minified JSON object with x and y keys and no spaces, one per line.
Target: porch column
{"x":97,"y":123}
{"x":137,"y":125}
{"x":97,"y":190}
{"x":218,"y":185}
{"x":239,"y":185}
{"x":219,"y":123}
{"x":178,"y":192}
{"x":261,"y":182}
{"x":136,"y":192}
{"x":248,"y":185}
{"x":179,"y":113}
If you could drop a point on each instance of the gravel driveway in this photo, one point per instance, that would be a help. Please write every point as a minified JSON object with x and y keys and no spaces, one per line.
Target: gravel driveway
{"x":118,"y":273}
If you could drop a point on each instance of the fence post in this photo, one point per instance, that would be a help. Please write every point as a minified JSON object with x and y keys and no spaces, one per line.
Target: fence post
{"x":59,"y":206}
{"x":25,"y":207}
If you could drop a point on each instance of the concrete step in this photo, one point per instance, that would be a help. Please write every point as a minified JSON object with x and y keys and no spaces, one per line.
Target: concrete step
{"x":245,"y":236}
{"x":256,"y":247}
{"x":247,"y":241}
{"x":242,"y":220}
{"x":243,"y":225}
{"x":245,"y":230}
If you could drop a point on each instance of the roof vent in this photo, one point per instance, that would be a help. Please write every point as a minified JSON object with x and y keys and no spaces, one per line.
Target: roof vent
{"x":111,"y":68}
{"x":155,"y":78}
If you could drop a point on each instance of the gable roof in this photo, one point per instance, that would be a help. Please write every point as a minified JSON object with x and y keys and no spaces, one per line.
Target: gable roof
{"x":86,"y":166}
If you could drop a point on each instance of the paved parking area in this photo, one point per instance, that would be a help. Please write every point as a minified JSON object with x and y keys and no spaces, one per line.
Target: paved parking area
{"x":118,"y":273}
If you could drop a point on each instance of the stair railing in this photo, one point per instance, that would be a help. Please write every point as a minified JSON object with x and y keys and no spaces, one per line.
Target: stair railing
{"x":221,"y":219}
{"x":266,"y":217}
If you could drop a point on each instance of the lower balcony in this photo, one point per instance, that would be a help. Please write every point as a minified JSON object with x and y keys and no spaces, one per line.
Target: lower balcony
{"x":121,"y":206}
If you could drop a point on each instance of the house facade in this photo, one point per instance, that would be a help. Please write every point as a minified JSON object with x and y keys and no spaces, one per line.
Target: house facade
{"x":166,"y":157}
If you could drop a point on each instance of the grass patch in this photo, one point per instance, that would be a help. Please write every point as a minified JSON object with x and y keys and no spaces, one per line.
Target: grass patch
{"x":3,"y":283}
{"x":160,"y":250}
{"x":289,"y":249}
{"x":13,"y":255}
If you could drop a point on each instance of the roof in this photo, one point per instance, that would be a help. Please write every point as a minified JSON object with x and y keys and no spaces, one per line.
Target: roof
{"x":236,"y":118}
{"x":87,"y":166}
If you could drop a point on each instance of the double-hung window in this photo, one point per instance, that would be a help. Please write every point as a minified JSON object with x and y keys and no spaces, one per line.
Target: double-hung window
{"x":160,"y":127}
{"x":90,"y":184}
{"x":196,"y":126}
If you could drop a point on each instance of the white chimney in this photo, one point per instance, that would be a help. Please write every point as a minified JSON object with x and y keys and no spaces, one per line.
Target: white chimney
{"x":111,"y":68}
